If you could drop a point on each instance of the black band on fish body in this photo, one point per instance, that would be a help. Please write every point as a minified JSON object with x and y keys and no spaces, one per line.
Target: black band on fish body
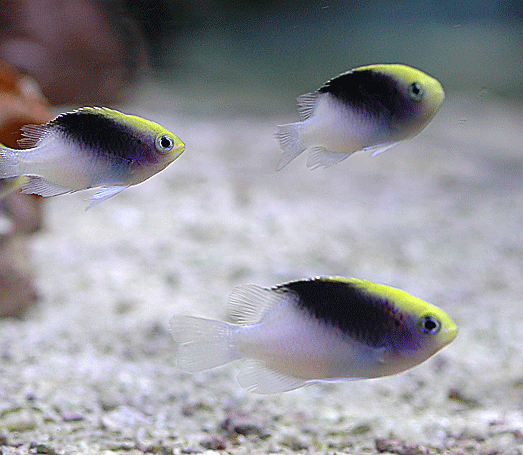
{"x":102,"y":134}
{"x":368,"y":318}
{"x":372,"y":93}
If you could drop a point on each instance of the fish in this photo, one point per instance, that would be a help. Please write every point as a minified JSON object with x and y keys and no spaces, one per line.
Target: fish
{"x":91,"y":147}
{"x":369,"y":107}
{"x":313,"y":330}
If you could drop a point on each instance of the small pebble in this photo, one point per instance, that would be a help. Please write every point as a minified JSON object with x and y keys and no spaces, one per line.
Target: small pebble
{"x":19,"y":421}
{"x":240,"y":423}
{"x":458,"y":396}
{"x":215,"y":442}
{"x":361,"y":429}
{"x":189,"y":450}
{"x":401,"y":447}
{"x":72,"y":416}
{"x":109,"y":402}
{"x":293,"y":443}
{"x":41,"y":448}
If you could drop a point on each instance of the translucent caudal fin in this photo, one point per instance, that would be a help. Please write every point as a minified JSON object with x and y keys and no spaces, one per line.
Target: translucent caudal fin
{"x":203,"y":343}
{"x":288,"y":137}
{"x":9,"y":165}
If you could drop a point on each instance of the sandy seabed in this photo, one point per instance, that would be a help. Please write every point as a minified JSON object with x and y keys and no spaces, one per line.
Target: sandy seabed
{"x":91,"y":369}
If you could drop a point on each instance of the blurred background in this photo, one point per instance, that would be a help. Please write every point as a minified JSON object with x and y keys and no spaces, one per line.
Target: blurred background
{"x":281,"y":49}
{"x":233,"y":59}
{"x":259,"y":53}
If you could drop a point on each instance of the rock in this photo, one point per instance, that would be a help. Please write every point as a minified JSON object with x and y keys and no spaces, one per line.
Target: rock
{"x":214,"y":442}
{"x":18,"y":421}
{"x":41,"y":448}
{"x":238,"y":422}
{"x":401,"y":447}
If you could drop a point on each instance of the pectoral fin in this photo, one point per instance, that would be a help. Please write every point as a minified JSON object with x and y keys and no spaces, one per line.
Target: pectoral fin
{"x":381,"y":148}
{"x":104,"y":193}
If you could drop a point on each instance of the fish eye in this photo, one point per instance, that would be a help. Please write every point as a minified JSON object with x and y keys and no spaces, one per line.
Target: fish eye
{"x":164,"y":143}
{"x":416,"y":91}
{"x":429,"y":324}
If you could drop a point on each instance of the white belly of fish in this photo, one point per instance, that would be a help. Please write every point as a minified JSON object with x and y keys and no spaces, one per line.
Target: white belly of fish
{"x":339,"y":129}
{"x":299,"y":346}
{"x":67,"y":166}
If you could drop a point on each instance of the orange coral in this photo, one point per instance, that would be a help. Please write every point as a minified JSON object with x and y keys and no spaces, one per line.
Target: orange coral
{"x":21,"y":103}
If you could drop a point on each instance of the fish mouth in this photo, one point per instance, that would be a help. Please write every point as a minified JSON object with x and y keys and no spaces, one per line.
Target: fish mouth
{"x":436,"y":97}
{"x":178,"y":148}
{"x":448,"y":334}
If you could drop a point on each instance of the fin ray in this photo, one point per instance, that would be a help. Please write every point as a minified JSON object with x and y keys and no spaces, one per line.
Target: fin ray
{"x":288,"y":137}
{"x":306,"y":104}
{"x":255,"y":376}
{"x":37,"y":185}
{"x":249,"y":303}
{"x":321,"y":157}
{"x":33,"y":134}
{"x":103,"y":194}
{"x":203,"y":343}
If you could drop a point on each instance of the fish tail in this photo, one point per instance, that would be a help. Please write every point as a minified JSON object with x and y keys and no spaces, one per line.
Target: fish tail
{"x":203,"y":343}
{"x":288,"y":137}
{"x":9,"y":164}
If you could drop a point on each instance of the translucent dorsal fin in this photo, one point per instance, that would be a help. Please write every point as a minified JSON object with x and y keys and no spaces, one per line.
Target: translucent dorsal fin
{"x":33,"y":134}
{"x":306,"y":105}
{"x":249,"y":303}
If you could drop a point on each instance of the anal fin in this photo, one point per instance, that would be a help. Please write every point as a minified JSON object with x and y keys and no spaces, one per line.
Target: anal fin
{"x":321,"y":157}
{"x":37,"y":185}
{"x":255,"y":376}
